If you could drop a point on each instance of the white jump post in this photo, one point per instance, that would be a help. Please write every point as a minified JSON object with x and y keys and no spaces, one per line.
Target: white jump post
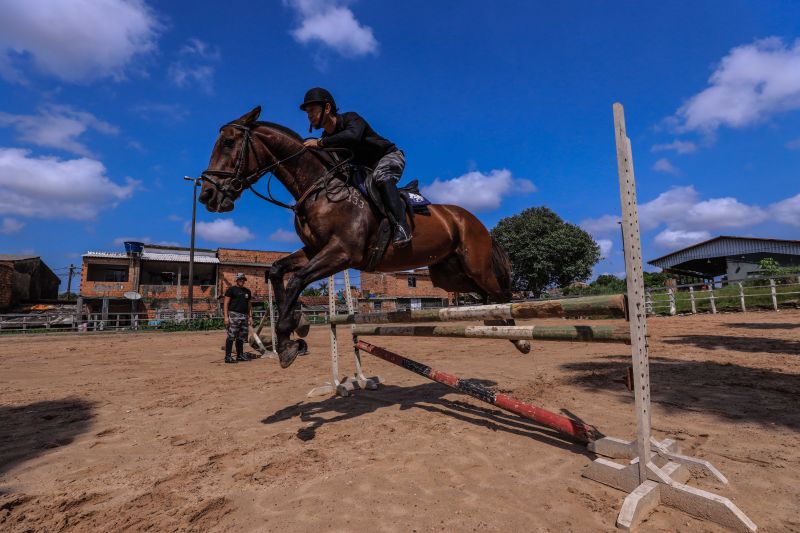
{"x":254,"y":334}
{"x":343,"y":387}
{"x":655,"y":473}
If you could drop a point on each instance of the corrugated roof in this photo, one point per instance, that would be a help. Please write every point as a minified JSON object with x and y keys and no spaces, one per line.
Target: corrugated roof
{"x":180,"y":258}
{"x":17,"y":257}
{"x":725,"y":246}
{"x":152,"y":256}
{"x":113,"y":255}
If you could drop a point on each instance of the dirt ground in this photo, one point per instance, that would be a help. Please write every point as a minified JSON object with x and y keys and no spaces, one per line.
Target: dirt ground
{"x":133,"y":432}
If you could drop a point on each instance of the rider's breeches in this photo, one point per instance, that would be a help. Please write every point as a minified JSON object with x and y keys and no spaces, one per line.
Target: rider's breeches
{"x":390,"y":167}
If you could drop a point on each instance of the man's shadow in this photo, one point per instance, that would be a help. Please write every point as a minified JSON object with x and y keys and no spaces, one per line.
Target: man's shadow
{"x":27,"y":431}
{"x":428,"y":397}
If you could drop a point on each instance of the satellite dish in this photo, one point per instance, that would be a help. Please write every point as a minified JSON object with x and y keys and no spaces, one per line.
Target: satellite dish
{"x":132,"y":295}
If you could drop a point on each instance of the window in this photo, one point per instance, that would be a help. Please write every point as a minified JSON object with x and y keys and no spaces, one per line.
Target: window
{"x":377,"y":305}
{"x":106,"y":273}
{"x":412,"y":281}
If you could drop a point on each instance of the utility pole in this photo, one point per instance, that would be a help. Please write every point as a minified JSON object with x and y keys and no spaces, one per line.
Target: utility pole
{"x":196,"y":182}
{"x":69,"y":279}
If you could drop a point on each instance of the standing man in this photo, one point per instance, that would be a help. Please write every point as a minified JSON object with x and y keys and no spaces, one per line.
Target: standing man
{"x":237,"y":309}
{"x":349,"y":130}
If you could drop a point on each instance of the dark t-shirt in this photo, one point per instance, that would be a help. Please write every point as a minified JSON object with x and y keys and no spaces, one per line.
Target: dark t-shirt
{"x":240,"y":298}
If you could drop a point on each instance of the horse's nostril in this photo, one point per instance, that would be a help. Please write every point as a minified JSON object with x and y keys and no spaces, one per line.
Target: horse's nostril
{"x":205,"y":195}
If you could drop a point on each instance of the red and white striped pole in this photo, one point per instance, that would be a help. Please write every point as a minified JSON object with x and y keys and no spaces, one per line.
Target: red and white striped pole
{"x":577,"y":430}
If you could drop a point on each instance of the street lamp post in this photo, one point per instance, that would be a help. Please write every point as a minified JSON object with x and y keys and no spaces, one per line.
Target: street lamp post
{"x":191,"y":246}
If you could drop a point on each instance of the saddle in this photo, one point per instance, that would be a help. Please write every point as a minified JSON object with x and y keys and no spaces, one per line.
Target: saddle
{"x":415,"y":204}
{"x":362,"y":179}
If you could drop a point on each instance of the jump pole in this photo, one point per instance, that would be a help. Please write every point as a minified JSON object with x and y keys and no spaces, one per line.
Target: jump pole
{"x":604,"y":306}
{"x":618,"y":334}
{"x":579,"y":431}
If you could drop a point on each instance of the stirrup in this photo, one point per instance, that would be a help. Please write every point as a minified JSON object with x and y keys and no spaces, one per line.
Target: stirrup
{"x":401,"y":236}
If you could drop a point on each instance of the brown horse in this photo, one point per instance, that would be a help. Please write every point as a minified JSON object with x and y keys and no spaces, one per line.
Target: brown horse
{"x":338,"y":227}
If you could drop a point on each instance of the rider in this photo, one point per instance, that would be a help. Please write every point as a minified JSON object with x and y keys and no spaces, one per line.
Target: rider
{"x":349,"y":130}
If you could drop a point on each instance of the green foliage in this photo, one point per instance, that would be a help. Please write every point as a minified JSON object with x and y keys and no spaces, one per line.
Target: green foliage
{"x":653,"y":280}
{"x":312,"y":291}
{"x":768,"y":266}
{"x":546,"y":251}
{"x":198,"y":324}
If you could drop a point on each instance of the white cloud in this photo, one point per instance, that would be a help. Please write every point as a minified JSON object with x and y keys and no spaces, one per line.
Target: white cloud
{"x":606,"y":245}
{"x":282,"y":235}
{"x":681,"y":147}
{"x":602,"y":225}
{"x":724,"y":213}
{"x":57,"y":126}
{"x":334,"y":25}
{"x":794,"y":144}
{"x":476,"y":190}
{"x":787,"y":211}
{"x":674,"y":239}
{"x":750,"y":84}
{"x":663,"y":165}
{"x":669,"y":206}
{"x":222,"y":230}
{"x":49,"y":187}
{"x":75,"y":40}
{"x":194,"y":68}
{"x":11,"y":225}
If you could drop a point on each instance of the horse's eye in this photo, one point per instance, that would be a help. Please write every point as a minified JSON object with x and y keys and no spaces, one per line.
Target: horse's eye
{"x":227,"y":143}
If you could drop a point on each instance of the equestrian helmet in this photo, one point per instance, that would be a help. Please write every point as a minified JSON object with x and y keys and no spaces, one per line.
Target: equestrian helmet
{"x":318,"y":95}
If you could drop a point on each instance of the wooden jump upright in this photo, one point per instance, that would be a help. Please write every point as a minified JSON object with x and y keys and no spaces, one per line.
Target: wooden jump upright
{"x":653,"y":472}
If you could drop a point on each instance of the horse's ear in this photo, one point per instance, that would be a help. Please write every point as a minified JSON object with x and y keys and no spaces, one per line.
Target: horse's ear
{"x":250,"y":116}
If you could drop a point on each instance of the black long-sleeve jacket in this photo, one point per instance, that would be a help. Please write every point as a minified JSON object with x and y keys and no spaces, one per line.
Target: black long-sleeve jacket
{"x":354,"y":133}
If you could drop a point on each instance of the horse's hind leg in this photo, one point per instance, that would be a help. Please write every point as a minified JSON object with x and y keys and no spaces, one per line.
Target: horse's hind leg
{"x":465,"y":273}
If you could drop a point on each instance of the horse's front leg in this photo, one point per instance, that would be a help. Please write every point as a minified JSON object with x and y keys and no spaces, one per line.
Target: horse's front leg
{"x":277,"y":272}
{"x":328,"y":261}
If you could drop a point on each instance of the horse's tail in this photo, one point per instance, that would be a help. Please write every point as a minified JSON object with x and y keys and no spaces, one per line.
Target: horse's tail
{"x":501,"y":267}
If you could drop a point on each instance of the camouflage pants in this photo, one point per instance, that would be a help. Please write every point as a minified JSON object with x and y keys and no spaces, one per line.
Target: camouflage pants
{"x":237,"y":326}
{"x":390,"y":167}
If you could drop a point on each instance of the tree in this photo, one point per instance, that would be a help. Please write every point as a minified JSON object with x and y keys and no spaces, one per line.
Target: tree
{"x":546,"y":251}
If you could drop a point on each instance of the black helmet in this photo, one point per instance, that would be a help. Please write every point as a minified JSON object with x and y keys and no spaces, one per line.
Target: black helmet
{"x":318,"y":95}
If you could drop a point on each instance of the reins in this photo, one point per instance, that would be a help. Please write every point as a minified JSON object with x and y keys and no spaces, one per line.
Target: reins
{"x":237,"y":183}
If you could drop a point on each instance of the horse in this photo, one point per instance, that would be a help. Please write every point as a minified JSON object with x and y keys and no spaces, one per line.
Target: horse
{"x":338,"y":227}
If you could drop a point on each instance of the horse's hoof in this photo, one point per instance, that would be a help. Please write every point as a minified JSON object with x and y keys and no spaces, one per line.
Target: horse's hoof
{"x":291,"y":351}
{"x":522,"y":346}
{"x":303,"y":327}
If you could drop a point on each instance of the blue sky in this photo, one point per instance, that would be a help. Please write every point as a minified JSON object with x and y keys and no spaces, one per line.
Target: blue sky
{"x":499,"y":106}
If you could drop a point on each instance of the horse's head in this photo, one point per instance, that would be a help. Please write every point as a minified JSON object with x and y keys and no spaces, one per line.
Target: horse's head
{"x":233,"y":165}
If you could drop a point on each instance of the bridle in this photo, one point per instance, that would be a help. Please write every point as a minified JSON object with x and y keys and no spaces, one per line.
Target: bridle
{"x":235,"y":183}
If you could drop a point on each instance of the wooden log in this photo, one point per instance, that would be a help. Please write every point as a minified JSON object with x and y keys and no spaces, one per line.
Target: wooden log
{"x":548,"y":333}
{"x":604,"y":306}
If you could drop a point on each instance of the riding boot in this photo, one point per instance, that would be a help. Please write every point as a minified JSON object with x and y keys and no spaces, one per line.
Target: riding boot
{"x":228,"y":349}
{"x":396,"y":210}
{"x":240,"y":355}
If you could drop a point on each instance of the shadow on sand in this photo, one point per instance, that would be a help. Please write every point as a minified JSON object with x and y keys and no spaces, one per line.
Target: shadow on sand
{"x":763,"y":325}
{"x":27,"y":431}
{"x":727,"y":390}
{"x":428,"y":397}
{"x":738,"y":344}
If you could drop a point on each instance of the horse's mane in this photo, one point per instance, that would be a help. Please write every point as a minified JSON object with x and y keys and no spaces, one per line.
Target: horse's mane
{"x":280,"y":127}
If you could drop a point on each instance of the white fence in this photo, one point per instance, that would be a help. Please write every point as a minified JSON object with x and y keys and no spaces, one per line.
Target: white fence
{"x":757,"y":293}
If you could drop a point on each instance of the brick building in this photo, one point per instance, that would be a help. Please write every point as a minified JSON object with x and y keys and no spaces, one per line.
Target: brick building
{"x":25,"y":278}
{"x":160,"y":275}
{"x":413,"y":289}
